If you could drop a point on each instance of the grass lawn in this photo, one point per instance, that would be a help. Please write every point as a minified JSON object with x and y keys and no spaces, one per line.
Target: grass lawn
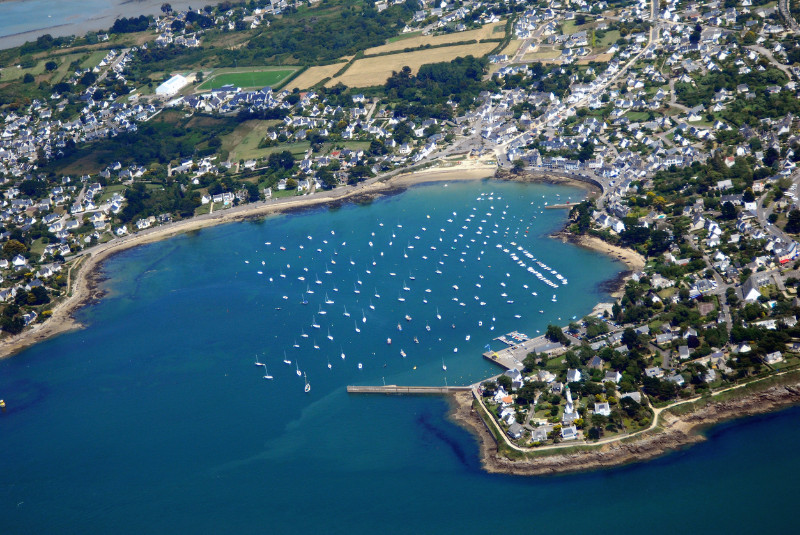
{"x":637,"y":115}
{"x":37,"y":248}
{"x":611,"y":37}
{"x":242,"y":143}
{"x":403,"y":36}
{"x":13,"y":73}
{"x":248,"y":78}
{"x":94,"y":59}
{"x":111,"y":190}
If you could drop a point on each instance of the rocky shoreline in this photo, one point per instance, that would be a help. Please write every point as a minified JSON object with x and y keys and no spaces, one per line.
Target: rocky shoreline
{"x":676,"y":432}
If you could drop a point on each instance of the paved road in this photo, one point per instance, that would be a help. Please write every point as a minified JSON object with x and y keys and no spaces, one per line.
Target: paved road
{"x":783,"y":6}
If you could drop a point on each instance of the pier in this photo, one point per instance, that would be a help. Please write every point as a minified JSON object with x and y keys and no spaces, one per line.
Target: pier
{"x":561,"y":206}
{"x":407,"y":390}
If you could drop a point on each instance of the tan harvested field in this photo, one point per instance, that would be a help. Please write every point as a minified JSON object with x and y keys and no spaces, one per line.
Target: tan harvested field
{"x":374,"y":71}
{"x":542,"y":55}
{"x":598,"y":57}
{"x":512,"y":48}
{"x":314,"y":75}
{"x":486,"y":32}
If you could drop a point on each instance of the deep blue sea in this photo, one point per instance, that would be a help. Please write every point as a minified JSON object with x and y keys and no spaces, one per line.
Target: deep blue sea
{"x":155,"y":419}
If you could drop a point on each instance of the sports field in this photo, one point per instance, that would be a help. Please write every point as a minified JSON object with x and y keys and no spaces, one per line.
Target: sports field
{"x":248,"y":78}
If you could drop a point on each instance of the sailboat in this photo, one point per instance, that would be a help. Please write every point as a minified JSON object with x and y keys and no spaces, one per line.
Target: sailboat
{"x":286,"y":359}
{"x":258,"y":363}
{"x":357,"y":329}
{"x":377,"y":295}
{"x":444,"y":366}
{"x":402,"y":353}
{"x":296,"y":344}
{"x":427,"y":327}
{"x":266,"y":373}
{"x":303,"y":333}
{"x":328,"y":300}
{"x":400,"y":298}
{"x":346,"y":313}
{"x":371,"y":306}
{"x":355,"y":289}
{"x":329,"y":335}
{"x":303,"y":300}
{"x":314,"y":322}
{"x":306,"y":388}
{"x":342,"y":353}
{"x":363,"y":316}
{"x":299,"y":373}
{"x":321,"y":312}
{"x":438,"y":316}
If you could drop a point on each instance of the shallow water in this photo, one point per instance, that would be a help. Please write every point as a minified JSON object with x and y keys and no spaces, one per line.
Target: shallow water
{"x":25,"y":20}
{"x":156,"y":420}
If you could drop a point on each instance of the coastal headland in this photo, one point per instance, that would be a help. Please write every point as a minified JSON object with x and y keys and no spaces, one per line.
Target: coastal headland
{"x":677,"y":426}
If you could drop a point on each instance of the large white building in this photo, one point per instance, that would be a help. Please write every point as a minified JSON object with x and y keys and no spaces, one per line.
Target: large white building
{"x":172,"y":86}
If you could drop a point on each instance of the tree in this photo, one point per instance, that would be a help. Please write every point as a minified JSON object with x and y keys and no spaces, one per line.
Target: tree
{"x":51,"y":66}
{"x":505,"y":382}
{"x":13,"y":247}
{"x":630,"y":338}
{"x":166,"y":8}
{"x":28,"y":78}
{"x":555,"y":334}
{"x":519,"y":166}
{"x":281,"y":161}
{"x":728,"y":210}
{"x":793,"y":222}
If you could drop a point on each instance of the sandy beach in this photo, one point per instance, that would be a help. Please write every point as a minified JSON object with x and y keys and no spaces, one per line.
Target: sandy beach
{"x":26,"y":20}
{"x":675,"y":431}
{"x":84,"y":275}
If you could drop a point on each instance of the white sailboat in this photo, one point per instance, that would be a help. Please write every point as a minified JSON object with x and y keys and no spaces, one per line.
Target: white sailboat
{"x":306,"y":388}
{"x":444,"y":366}
{"x":258,"y":363}
{"x":286,"y":359}
{"x":357,"y":329}
{"x":297,"y":368}
{"x":438,"y":316}
{"x":329,"y":335}
{"x":266,"y":373}
{"x":346,"y":313}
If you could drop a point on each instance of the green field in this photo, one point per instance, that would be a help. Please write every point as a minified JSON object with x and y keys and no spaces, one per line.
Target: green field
{"x":272,"y":78}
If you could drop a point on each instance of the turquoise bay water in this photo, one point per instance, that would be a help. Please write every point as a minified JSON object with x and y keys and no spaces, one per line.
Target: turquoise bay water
{"x":155,"y":419}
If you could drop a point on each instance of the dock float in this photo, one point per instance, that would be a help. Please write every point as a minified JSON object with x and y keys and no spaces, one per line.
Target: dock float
{"x":406,"y":390}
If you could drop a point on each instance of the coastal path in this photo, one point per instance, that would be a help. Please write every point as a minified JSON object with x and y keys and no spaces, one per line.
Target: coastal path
{"x":564,"y":445}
